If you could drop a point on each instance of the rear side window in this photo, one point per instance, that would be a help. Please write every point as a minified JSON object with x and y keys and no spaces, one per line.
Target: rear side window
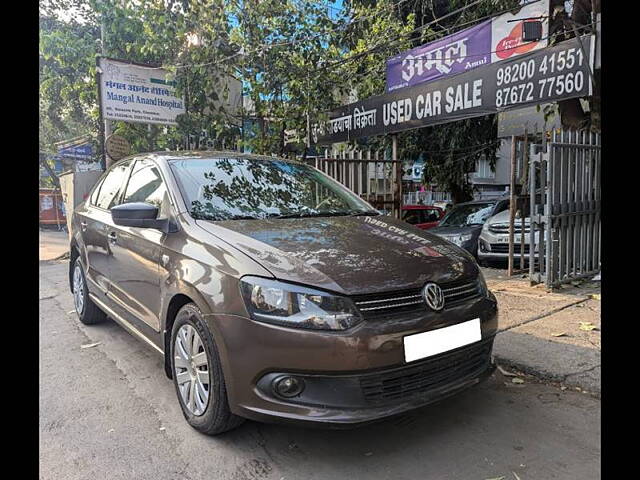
{"x":112,"y":186}
{"x":145,"y":184}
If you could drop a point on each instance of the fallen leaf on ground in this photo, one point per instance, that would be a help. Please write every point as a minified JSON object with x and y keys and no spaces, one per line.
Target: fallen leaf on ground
{"x":110,"y":430}
{"x":587,"y":326}
{"x":162,"y":429}
{"x":561,"y":334}
{"x":563,"y":388}
{"x":595,"y":296}
{"x":506,"y":373}
{"x":517,"y":380}
{"x":90,"y":345}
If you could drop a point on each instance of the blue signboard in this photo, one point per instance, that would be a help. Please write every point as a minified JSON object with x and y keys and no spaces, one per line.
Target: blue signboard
{"x":78,"y":152}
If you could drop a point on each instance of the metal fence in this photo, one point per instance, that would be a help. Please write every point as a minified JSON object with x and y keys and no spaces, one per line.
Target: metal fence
{"x":565,"y":196}
{"x":425,"y":198}
{"x":374,"y":179}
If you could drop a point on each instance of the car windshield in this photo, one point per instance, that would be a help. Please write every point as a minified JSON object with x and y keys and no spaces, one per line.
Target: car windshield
{"x":470,"y":214}
{"x":253,"y":188}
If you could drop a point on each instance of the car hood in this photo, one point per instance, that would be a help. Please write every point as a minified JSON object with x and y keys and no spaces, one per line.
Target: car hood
{"x":349,"y":255}
{"x":456,"y":230}
{"x":503,"y":218}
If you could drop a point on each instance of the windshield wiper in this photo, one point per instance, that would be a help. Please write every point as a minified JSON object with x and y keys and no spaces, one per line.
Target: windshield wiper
{"x":242,"y":217}
{"x":312,"y":214}
{"x":362,"y":213}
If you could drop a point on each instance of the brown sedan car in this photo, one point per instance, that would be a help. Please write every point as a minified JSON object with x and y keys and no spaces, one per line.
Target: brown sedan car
{"x":274,"y":293}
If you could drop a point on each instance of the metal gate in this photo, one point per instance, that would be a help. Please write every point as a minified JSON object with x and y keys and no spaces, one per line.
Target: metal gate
{"x":565,"y":195}
{"x":374,"y":179}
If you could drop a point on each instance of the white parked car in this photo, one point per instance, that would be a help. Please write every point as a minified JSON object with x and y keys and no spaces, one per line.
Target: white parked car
{"x":493,"y":243}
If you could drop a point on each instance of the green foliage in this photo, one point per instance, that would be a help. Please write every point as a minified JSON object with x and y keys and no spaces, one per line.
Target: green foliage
{"x":67,"y":80}
{"x":293,"y":56}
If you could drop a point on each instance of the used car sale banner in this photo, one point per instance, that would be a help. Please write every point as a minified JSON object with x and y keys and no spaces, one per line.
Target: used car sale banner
{"x":541,"y":76}
{"x":490,"y":41}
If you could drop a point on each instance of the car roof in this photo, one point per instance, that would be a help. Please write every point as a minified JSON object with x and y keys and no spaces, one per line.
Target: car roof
{"x":200,"y":154}
{"x":475,"y":202}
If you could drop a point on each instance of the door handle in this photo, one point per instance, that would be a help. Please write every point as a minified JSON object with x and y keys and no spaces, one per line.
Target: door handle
{"x":113,"y":237}
{"x":83,"y":226}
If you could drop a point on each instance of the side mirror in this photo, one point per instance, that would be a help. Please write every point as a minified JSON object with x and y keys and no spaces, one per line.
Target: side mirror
{"x":138,"y":214}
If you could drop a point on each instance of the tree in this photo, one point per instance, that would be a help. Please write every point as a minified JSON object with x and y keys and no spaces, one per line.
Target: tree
{"x":67,"y":100}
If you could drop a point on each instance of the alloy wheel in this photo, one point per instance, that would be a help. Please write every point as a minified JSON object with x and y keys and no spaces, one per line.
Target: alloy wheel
{"x":78,"y":289}
{"x":191,"y":369}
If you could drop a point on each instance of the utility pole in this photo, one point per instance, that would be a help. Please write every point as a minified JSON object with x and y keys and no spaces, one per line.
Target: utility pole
{"x":512,"y":205}
{"x":108,"y":126}
{"x":308,"y":139}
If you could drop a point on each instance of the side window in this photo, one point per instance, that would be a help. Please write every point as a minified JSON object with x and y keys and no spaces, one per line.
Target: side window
{"x":111,"y":186}
{"x":412,"y":216}
{"x":502,"y":206}
{"x":145,"y":184}
{"x":432,"y":215}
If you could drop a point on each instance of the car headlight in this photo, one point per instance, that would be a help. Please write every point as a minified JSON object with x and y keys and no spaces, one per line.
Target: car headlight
{"x":458,"y":239}
{"x":466,"y":237}
{"x":290,"y":305}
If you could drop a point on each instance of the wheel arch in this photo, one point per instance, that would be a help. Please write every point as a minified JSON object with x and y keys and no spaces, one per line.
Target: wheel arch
{"x":175,"y":304}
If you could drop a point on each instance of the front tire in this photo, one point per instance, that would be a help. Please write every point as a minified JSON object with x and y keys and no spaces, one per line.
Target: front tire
{"x":197,"y":374}
{"x":88,"y":312}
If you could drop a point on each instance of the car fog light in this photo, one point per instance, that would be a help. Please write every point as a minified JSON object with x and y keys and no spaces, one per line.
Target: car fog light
{"x":288,"y":386}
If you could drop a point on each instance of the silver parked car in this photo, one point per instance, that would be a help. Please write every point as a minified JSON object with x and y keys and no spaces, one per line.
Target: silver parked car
{"x":493,"y":243}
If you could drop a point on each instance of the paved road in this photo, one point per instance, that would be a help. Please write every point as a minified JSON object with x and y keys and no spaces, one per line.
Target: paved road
{"x":109,"y":412}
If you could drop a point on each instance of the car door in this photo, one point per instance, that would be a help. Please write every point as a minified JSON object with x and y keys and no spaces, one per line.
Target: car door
{"x":135,"y":260}
{"x":94,"y":219}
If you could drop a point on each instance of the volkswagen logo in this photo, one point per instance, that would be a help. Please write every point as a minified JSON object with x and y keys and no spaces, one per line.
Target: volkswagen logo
{"x":433,"y":296}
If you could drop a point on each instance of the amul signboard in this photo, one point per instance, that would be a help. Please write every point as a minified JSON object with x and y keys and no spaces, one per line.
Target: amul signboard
{"x":542,"y":76}
{"x":490,"y":41}
{"x":137,"y":93}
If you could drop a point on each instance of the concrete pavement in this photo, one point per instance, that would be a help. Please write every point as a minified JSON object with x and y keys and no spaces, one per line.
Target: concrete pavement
{"x":109,"y":412}
{"x":552,"y":335}
{"x":53,"y":244}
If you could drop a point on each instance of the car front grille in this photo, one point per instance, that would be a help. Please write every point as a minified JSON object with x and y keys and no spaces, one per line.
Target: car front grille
{"x":403,"y":301}
{"x":504,"y":248}
{"x":517,"y":228}
{"x":414,"y":379}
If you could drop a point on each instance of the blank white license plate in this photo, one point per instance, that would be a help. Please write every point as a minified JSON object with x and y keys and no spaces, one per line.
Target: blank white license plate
{"x":426,"y":344}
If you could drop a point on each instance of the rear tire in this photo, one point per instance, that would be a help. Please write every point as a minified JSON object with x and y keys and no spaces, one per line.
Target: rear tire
{"x":88,"y":312}
{"x":190,"y":339}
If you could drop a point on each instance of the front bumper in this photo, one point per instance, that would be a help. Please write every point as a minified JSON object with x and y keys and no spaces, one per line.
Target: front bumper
{"x":351,"y":377}
{"x":495,"y":246}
